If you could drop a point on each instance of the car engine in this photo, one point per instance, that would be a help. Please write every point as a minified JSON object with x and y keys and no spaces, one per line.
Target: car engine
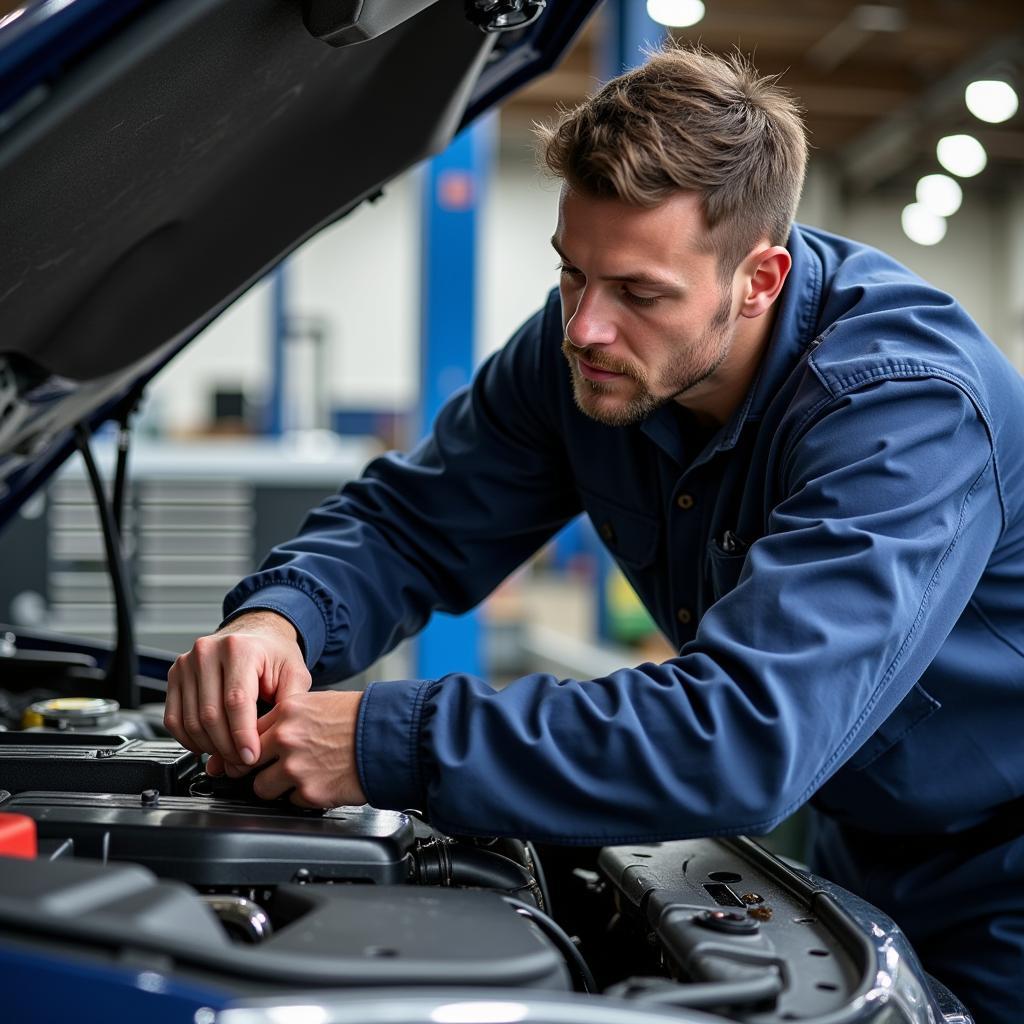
{"x":136,"y":856}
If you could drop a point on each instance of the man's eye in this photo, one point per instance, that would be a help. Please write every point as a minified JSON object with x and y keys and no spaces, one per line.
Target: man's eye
{"x":639,"y":300}
{"x":566,"y":269}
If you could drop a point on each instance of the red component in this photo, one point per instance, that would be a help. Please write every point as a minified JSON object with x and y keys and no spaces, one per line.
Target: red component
{"x":17,"y":836}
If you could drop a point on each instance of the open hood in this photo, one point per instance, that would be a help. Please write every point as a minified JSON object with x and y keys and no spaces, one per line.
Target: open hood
{"x":157,"y":158}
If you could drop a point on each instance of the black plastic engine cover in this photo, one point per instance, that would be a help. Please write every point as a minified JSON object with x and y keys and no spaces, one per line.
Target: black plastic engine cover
{"x":222,"y":843}
{"x":93,"y":764}
{"x":340,"y":935}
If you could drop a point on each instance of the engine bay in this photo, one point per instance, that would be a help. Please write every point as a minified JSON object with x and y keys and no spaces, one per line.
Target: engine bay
{"x":140,"y":857}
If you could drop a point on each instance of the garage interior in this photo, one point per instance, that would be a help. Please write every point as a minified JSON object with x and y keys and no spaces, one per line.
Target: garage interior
{"x":347,"y":349}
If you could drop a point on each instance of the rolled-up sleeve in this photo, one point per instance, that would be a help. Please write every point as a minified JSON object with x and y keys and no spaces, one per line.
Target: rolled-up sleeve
{"x":889,"y":512}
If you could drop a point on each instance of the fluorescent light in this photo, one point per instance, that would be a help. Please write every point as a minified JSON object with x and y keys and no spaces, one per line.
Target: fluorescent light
{"x":298,"y":1014}
{"x":13,"y":16}
{"x":962,"y":155}
{"x":489,"y":1012}
{"x":940,"y":193}
{"x":991,"y":101}
{"x":921,"y":225}
{"x":676,"y":13}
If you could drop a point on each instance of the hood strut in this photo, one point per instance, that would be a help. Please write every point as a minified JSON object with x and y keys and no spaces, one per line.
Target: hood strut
{"x":123,"y":667}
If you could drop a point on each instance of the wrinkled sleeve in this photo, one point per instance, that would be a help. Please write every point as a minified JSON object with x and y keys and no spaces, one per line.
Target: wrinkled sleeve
{"x":889,"y":514}
{"x":436,"y":529}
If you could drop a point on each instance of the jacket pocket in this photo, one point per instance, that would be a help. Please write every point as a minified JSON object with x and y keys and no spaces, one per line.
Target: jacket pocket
{"x":917,"y":706}
{"x":631,"y":536}
{"x":724,"y":568}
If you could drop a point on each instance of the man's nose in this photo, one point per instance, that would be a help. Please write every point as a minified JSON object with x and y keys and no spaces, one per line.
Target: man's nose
{"x":589,"y":324}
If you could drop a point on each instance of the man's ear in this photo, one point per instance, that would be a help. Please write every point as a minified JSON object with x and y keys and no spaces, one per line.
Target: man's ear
{"x":764,"y":273}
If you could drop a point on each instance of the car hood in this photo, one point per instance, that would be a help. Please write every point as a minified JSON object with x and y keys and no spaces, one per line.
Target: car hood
{"x":158,"y":158}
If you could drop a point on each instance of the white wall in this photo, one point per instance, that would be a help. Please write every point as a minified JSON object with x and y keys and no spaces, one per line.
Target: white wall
{"x":1013,"y":280}
{"x":361,"y":277}
{"x":232,"y":352}
{"x":968,"y":262}
{"x":517,"y":263}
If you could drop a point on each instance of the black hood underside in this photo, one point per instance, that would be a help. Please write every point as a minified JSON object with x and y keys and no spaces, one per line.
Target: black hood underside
{"x":169,"y":170}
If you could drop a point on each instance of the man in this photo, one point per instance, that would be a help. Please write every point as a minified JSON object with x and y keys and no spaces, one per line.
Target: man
{"x":809,"y":464}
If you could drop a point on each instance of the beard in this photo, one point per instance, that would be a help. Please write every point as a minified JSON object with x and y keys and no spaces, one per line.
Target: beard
{"x":690,"y":363}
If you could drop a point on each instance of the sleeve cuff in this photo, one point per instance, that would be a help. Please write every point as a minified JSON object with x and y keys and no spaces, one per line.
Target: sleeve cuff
{"x":387,"y":743}
{"x":298,"y":608}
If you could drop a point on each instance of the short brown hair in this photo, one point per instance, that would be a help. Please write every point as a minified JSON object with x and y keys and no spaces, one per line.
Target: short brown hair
{"x":690,"y":120}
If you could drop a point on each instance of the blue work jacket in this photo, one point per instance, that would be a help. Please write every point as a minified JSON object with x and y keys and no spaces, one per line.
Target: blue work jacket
{"x":840,"y":567}
{"x":841,"y":570}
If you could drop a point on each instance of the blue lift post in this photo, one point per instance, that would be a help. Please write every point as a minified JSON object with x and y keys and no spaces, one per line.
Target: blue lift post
{"x":629,"y":32}
{"x":452,"y":190}
{"x":274,"y":416}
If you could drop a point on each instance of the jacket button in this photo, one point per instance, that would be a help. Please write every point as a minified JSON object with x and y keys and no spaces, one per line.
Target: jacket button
{"x":607,"y":532}
{"x":685,"y":502}
{"x":684,"y":616}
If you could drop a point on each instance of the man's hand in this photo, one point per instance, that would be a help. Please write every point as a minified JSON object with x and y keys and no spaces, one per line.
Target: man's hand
{"x":212,"y":690}
{"x":313,"y":737}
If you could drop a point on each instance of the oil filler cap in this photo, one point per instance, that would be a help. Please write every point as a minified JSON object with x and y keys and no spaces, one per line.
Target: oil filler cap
{"x":726,"y":921}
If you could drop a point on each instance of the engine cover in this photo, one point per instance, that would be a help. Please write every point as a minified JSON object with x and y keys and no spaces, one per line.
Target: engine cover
{"x":93,"y":764}
{"x":226,"y":844}
{"x":331,"y":936}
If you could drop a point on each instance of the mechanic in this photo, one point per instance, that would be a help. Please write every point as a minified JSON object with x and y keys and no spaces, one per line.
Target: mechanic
{"x":809,"y":464}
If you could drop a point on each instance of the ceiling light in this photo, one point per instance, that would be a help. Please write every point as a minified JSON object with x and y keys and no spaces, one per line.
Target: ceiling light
{"x":483,"y":1012}
{"x":6,"y":19}
{"x":921,"y":225}
{"x":676,"y":13}
{"x":940,"y":194}
{"x":293,"y":1013}
{"x":991,"y":101}
{"x":962,"y":155}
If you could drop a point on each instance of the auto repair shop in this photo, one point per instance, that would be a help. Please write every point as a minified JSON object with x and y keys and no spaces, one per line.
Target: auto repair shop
{"x":442,"y":400}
